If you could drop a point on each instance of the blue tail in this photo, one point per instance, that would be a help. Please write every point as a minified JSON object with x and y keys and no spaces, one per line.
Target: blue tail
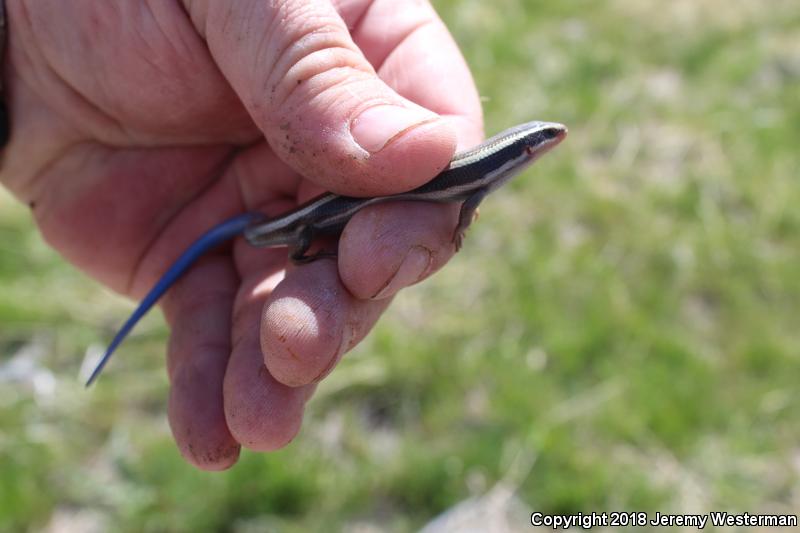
{"x":213,"y":237}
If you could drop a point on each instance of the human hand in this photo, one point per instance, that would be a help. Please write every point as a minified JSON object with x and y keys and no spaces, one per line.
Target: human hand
{"x":138,"y":125}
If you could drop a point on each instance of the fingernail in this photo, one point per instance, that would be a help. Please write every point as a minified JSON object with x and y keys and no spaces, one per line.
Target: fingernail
{"x":414,"y":266}
{"x":374,"y":128}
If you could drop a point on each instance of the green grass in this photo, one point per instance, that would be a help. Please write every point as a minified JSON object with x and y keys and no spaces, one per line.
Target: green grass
{"x":619,"y":333}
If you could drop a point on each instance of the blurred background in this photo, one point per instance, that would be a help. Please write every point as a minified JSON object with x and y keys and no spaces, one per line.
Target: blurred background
{"x":620,"y":332}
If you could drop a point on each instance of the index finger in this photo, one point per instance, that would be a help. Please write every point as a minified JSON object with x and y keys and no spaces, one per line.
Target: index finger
{"x":390,"y":246}
{"x":415,"y":54}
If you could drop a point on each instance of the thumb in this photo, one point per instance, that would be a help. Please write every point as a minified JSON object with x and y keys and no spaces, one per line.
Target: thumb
{"x":317,"y":99}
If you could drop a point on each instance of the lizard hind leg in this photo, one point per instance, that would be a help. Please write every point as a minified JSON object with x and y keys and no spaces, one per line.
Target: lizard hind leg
{"x":298,"y":254}
{"x":469,"y":212}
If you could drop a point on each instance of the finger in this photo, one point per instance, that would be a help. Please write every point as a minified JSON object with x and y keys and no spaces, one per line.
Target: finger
{"x":262,"y":413}
{"x":198,"y":309}
{"x":302,"y":285}
{"x":310,"y":321}
{"x":376,"y":258}
{"x":318,"y":100}
{"x":390,"y":246}
{"x":414,"y":53}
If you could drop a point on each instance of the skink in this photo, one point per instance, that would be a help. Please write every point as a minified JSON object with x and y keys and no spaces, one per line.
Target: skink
{"x":470,"y":176}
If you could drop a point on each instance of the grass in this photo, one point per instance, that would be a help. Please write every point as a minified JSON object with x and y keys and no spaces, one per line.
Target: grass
{"x":619,"y":333}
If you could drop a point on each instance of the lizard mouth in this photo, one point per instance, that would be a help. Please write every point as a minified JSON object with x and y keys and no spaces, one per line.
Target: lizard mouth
{"x":552,"y":136}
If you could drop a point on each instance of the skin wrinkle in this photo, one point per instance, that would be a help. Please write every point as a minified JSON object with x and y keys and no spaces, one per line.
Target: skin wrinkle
{"x":55,"y":195}
{"x":352,"y":329}
{"x":189,"y":361}
{"x":38,"y":194}
{"x":188,"y":364}
{"x":314,"y":63}
{"x":342,"y":78}
{"x":429,"y":252}
{"x":304,"y":24}
{"x":188,"y":302}
{"x":316,"y":35}
{"x":262,"y":425}
{"x":394,"y":49}
{"x":274,"y":207}
{"x":291,"y":353}
{"x":241,"y":335}
{"x":348,"y":79}
{"x":357,"y":17}
{"x":246,"y":171}
{"x":76,"y":97}
{"x":382,"y":11}
{"x":24,"y":184}
{"x":334,"y":318}
{"x":316,"y":81}
{"x":273,"y":36}
{"x":353,"y":325}
{"x":335,"y":358}
{"x":192,"y":9}
{"x":144,"y":46}
{"x":250,"y":301}
{"x":262,"y":57}
{"x":215,"y":174}
{"x":175,"y":76}
{"x":198,"y":301}
{"x":108,"y":125}
{"x":81,"y":158}
{"x":179,"y":44}
{"x":176,"y":39}
{"x":345,"y":341}
{"x":237,"y":177}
